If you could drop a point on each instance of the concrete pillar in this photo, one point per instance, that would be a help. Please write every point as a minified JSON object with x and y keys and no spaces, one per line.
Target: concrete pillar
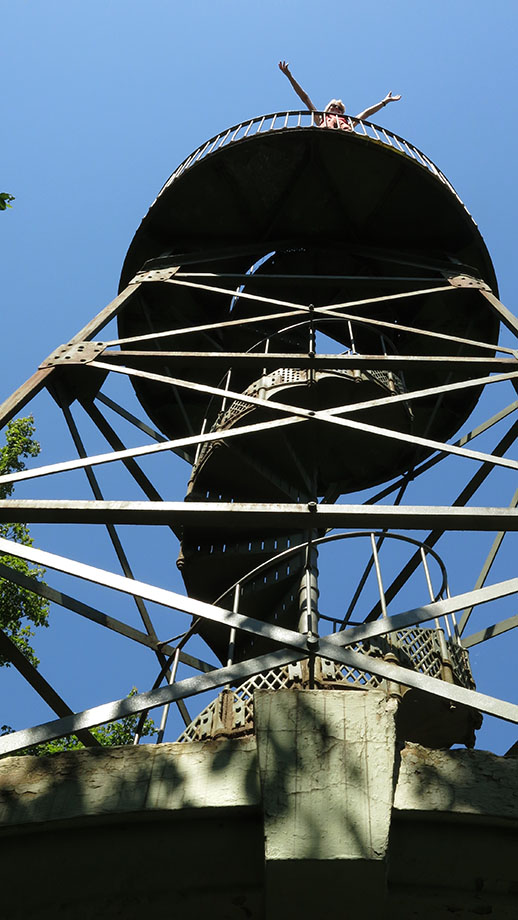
{"x":327,"y":771}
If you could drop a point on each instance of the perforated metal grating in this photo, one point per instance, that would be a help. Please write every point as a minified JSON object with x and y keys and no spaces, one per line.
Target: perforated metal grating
{"x":231,"y":713}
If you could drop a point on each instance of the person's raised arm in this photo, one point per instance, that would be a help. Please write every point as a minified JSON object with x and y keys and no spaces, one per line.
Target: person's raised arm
{"x":284,"y":66}
{"x":375,"y":108}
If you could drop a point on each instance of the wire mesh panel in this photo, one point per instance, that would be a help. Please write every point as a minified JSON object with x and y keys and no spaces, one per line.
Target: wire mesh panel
{"x":418,"y":649}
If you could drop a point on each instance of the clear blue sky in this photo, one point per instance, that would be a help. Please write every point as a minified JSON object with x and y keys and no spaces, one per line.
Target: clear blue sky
{"x":101,"y":101}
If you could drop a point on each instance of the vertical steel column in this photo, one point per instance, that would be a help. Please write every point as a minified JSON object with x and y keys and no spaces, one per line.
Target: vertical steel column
{"x":308,"y":599}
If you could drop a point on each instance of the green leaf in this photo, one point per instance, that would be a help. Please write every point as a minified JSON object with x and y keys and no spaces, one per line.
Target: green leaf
{"x":19,"y":609}
{"x":5,"y":198}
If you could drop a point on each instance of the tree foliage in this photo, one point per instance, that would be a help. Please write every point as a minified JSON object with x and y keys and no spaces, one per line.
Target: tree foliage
{"x":19,"y":609}
{"x":5,"y":200}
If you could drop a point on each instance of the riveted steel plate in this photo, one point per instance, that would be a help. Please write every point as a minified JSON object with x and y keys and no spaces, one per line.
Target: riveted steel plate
{"x":74,"y":353}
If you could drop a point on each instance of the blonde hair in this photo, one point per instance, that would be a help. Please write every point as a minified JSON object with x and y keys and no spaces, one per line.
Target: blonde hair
{"x":335,"y":102}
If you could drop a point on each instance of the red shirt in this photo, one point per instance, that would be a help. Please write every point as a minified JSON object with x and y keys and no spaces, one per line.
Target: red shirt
{"x":333,"y":120}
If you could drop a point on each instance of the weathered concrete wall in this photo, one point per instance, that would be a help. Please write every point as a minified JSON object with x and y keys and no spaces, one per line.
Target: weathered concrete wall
{"x":460,"y":782}
{"x":326,"y":762}
{"x":146,"y":779}
{"x":454,"y":835}
{"x":319,"y":813}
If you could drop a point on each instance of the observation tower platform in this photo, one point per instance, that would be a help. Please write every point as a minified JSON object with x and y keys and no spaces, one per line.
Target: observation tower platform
{"x":317,"y":215}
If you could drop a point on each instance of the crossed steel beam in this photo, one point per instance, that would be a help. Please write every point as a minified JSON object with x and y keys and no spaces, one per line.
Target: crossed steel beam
{"x":332,"y":647}
{"x":23,"y":394}
{"x":206,"y":437}
{"x":293,"y":644}
{"x":330,"y":416}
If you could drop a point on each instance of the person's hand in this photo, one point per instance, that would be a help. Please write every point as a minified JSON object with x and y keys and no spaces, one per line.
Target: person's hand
{"x":285,"y":67}
{"x":389,"y":97}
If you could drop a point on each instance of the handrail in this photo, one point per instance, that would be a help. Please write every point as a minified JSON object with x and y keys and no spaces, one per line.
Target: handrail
{"x":287,"y":120}
{"x":331,"y":538}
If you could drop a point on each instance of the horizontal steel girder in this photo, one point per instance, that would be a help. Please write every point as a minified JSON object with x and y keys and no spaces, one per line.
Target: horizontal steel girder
{"x":225,"y":516}
{"x":274,"y":360}
{"x":267,"y":278}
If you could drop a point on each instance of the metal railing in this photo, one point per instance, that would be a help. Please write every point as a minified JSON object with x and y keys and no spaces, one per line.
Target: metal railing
{"x":269,"y":570}
{"x":288,"y":120}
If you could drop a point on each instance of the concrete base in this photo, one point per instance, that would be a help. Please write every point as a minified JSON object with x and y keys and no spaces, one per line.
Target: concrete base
{"x":319,"y":813}
{"x":326,"y":762}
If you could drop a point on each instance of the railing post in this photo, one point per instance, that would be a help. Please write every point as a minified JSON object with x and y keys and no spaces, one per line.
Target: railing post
{"x":447,"y":667}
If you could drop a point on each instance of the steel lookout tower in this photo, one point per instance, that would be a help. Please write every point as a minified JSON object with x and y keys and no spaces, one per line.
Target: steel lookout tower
{"x":307,"y":317}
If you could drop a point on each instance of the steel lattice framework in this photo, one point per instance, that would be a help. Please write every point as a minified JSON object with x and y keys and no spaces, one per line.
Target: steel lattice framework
{"x":259,"y":505}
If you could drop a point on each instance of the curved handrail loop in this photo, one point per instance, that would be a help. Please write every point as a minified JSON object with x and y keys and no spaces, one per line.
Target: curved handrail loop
{"x":289,"y":120}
